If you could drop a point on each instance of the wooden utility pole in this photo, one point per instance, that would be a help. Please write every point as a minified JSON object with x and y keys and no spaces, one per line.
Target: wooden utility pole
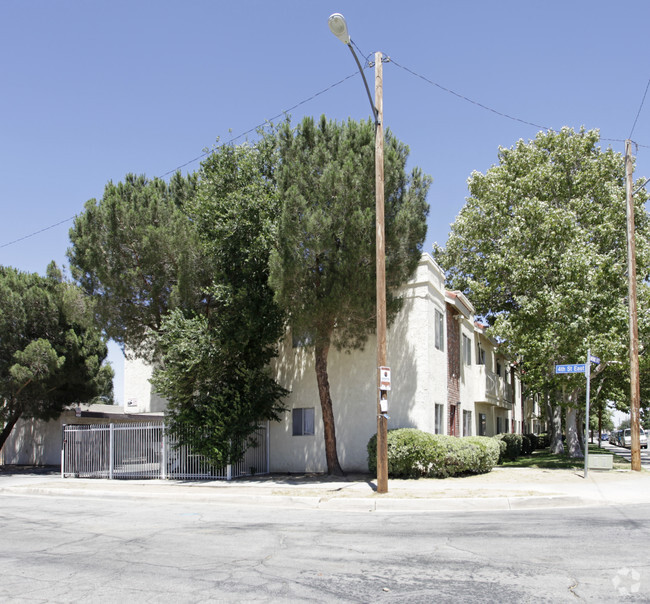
{"x":339,"y":28}
{"x":635,"y":394}
{"x":382,"y":421}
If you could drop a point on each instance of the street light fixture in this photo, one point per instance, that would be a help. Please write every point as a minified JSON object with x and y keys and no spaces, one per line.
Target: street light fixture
{"x":339,"y":28}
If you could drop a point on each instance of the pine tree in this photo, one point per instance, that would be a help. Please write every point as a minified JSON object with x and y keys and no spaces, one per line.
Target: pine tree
{"x":323,"y":268}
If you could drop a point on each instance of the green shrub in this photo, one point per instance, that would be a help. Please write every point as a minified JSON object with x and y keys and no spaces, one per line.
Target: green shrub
{"x":489,"y":454}
{"x":503,"y":448}
{"x":414,"y":454}
{"x":514,"y":444}
{"x":528,"y":444}
{"x":543,"y":441}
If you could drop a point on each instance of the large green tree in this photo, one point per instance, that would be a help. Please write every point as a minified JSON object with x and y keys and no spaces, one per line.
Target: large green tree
{"x":51,"y":354}
{"x":214,"y":367}
{"x":540,"y":249}
{"x":323,"y":267}
{"x":137,"y":254}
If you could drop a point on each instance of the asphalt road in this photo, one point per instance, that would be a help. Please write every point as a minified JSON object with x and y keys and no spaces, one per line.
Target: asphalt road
{"x":71,"y":549}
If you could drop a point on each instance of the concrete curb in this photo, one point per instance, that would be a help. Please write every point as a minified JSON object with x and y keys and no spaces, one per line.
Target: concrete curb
{"x":503,"y":489}
{"x":371,"y":503}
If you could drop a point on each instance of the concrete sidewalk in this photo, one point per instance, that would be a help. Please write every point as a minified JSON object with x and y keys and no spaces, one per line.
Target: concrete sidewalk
{"x":501,"y":489}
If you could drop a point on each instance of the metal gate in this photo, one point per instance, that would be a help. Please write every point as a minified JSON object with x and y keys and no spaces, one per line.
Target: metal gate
{"x":145,"y":450}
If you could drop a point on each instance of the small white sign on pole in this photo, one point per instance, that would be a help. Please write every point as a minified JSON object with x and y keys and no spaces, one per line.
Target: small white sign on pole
{"x":384,"y":378}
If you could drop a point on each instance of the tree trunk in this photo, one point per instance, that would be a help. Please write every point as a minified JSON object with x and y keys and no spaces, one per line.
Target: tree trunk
{"x":557,"y":447}
{"x":9,"y":426}
{"x":333,"y":466}
{"x":550,"y":428}
{"x":579,"y":431}
{"x":573,"y":444}
{"x":600,"y":424}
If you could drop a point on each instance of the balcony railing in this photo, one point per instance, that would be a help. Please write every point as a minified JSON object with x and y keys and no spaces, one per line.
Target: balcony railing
{"x":497,"y":390}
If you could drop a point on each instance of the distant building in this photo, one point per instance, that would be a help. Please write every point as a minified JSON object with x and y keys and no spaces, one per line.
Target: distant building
{"x":36,"y":442}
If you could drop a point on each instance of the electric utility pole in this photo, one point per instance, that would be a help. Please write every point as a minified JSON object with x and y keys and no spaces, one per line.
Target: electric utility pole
{"x":339,"y":28}
{"x":635,"y":394}
{"x":382,"y":420}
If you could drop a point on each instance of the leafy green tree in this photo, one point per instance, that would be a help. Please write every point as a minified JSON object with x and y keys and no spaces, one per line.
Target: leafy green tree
{"x":540,"y":249}
{"x":214,"y":369}
{"x":51,"y":355}
{"x":137,"y":254}
{"x":323,"y":268}
{"x":624,"y":424}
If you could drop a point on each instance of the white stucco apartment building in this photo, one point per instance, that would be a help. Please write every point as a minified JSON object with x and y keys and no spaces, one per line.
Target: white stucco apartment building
{"x":447,"y":378}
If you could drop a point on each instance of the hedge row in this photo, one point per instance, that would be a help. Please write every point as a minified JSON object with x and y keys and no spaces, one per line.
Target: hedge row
{"x":415,"y":454}
{"x":515,"y":445}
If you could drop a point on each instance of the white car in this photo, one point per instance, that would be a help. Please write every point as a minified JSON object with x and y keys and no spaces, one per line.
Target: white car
{"x":627,"y":438}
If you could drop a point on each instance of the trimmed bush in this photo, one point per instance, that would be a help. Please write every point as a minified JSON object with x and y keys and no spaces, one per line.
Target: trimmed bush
{"x":415,"y":454}
{"x":514,"y":444}
{"x":530,"y":444}
{"x":503,"y":447}
{"x":543,"y":441}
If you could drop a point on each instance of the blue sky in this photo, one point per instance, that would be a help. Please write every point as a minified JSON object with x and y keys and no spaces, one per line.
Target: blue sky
{"x":94,"y":90}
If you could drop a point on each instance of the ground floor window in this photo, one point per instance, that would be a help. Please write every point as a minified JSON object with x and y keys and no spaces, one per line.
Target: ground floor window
{"x":440,"y":419}
{"x":303,"y":421}
{"x":467,"y":423}
{"x":482,"y":424}
{"x":499,"y":427}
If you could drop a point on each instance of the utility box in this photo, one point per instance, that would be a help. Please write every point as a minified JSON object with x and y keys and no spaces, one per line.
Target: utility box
{"x":600,"y":461}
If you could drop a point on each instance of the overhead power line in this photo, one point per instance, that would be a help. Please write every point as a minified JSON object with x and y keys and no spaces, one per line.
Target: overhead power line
{"x":206,"y":153}
{"x":501,"y":113}
{"x":37,"y":232}
{"x":639,"y":111}
{"x":261,"y":125}
{"x":467,"y":99}
{"x":323,"y":91}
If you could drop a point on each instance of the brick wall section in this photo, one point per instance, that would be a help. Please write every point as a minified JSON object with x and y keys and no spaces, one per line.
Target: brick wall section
{"x":453,"y":372}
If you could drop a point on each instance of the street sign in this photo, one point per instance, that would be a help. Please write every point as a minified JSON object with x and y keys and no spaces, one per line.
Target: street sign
{"x":575,"y":368}
{"x":594,"y":359}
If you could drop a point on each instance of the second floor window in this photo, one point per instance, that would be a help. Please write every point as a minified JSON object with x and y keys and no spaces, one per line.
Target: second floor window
{"x":467,"y":350}
{"x":480,"y":355}
{"x":439,"y":330}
